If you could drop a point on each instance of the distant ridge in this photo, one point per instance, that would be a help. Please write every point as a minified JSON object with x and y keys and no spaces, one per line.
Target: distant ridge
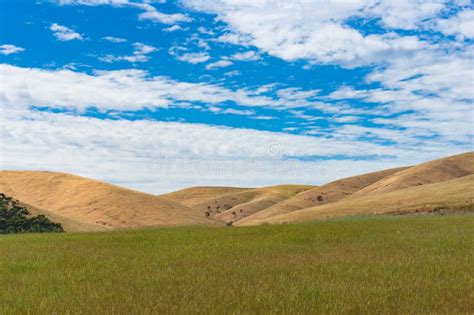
{"x":325,"y":194}
{"x":455,"y":194}
{"x":82,"y":204}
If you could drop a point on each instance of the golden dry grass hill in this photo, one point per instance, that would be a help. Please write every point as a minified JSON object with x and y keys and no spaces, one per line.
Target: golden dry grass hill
{"x":328,"y":193}
{"x":426,"y":173}
{"x":82,"y":204}
{"x":234,"y":206}
{"x":195,"y":195}
{"x":93,"y":203}
{"x":444,"y":196}
{"x":441,"y":184}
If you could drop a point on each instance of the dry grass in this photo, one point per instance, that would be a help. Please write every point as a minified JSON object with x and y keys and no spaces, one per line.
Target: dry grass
{"x":93,"y":202}
{"x":244,"y":203}
{"x":193,"y":196}
{"x":328,"y":193}
{"x":448,"y":194}
{"x":83,"y":204}
{"x":67,"y":224}
{"x":356,"y":194}
{"x":426,"y":173}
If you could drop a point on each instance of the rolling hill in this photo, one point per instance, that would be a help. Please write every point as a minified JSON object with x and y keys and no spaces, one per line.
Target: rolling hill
{"x":426,"y":173}
{"x":241,"y":205}
{"x":441,"y":183}
{"x":443,"y":196}
{"x":328,"y":193}
{"x":195,"y":195}
{"x":227,"y":204}
{"x":93,"y":203}
{"x":82,"y":204}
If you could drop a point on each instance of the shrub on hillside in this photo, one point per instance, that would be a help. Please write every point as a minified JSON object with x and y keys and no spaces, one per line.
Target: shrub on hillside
{"x":15,"y":218}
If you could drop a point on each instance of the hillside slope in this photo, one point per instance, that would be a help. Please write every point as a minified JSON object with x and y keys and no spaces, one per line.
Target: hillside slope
{"x":69,"y":225}
{"x":451,"y":194}
{"x":426,"y":173}
{"x":93,"y":202}
{"x":321,"y":195}
{"x":82,"y":204}
{"x":195,"y":195}
{"x":236,"y":205}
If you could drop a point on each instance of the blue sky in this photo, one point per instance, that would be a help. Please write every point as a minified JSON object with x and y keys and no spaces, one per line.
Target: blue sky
{"x":160,"y":95}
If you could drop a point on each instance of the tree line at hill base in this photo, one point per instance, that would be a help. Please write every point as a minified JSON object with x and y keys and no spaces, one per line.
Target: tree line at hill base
{"x":15,"y":218}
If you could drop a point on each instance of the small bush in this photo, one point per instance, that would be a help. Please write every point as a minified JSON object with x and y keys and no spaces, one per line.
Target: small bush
{"x":15,"y":218}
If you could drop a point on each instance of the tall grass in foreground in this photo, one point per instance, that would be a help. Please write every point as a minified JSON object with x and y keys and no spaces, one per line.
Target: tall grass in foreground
{"x":405,"y":264}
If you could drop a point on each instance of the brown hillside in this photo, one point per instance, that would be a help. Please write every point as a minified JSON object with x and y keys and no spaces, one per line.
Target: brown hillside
{"x":68,"y":225}
{"x":93,"y":202}
{"x":196,"y":195}
{"x":328,"y":193}
{"x":244,"y":203}
{"x":427,"y":173}
{"x":447,"y":194}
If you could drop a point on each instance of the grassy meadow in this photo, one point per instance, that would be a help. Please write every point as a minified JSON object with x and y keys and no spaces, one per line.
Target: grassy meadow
{"x":380,"y":264}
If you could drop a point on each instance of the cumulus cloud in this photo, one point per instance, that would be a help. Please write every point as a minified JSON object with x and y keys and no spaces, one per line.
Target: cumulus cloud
{"x":219,"y":64}
{"x":246,"y":56}
{"x":193,"y":58}
{"x":29,"y":133}
{"x":8,"y":49}
{"x":120,"y":89}
{"x":173,"y":28}
{"x":314,"y":32}
{"x":419,"y":99}
{"x":461,"y":25}
{"x":140,"y":54}
{"x":434,"y":86}
{"x":64,"y":33}
{"x":114,"y":39}
{"x":149,"y":11}
{"x":404,"y":14}
{"x":186,"y":154}
{"x":156,"y":16}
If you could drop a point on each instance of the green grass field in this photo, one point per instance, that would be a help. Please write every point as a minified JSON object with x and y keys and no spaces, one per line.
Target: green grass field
{"x":404,"y":264}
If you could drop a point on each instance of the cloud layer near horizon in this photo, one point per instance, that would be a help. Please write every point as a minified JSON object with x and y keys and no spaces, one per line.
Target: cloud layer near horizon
{"x":411,"y":101}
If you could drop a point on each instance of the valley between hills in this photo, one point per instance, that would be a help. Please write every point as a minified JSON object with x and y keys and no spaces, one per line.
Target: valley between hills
{"x":82,"y":205}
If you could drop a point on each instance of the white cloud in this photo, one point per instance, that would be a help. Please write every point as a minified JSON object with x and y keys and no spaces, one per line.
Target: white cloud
{"x":301,"y":115}
{"x":140,"y":54}
{"x":346,"y":119}
{"x":232,"y":73}
{"x":315,"y":32}
{"x":161,"y":156}
{"x":262,"y":117}
{"x":142,"y":49}
{"x":8,"y":49}
{"x":238,"y":112}
{"x":114,"y":39}
{"x":219,"y":64}
{"x":404,"y":14}
{"x":435,"y":88}
{"x":156,"y":16}
{"x":246,"y":56}
{"x":149,"y":11}
{"x":461,"y":25}
{"x":205,"y":31}
{"x":64,"y":33}
{"x":196,"y":154}
{"x":120,"y":89}
{"x":173,"y":28}
{"x":235,"y":38}
{"x":194,"y":58}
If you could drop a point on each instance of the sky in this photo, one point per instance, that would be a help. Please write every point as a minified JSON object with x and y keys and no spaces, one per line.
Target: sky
{"x":162,"y":95}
